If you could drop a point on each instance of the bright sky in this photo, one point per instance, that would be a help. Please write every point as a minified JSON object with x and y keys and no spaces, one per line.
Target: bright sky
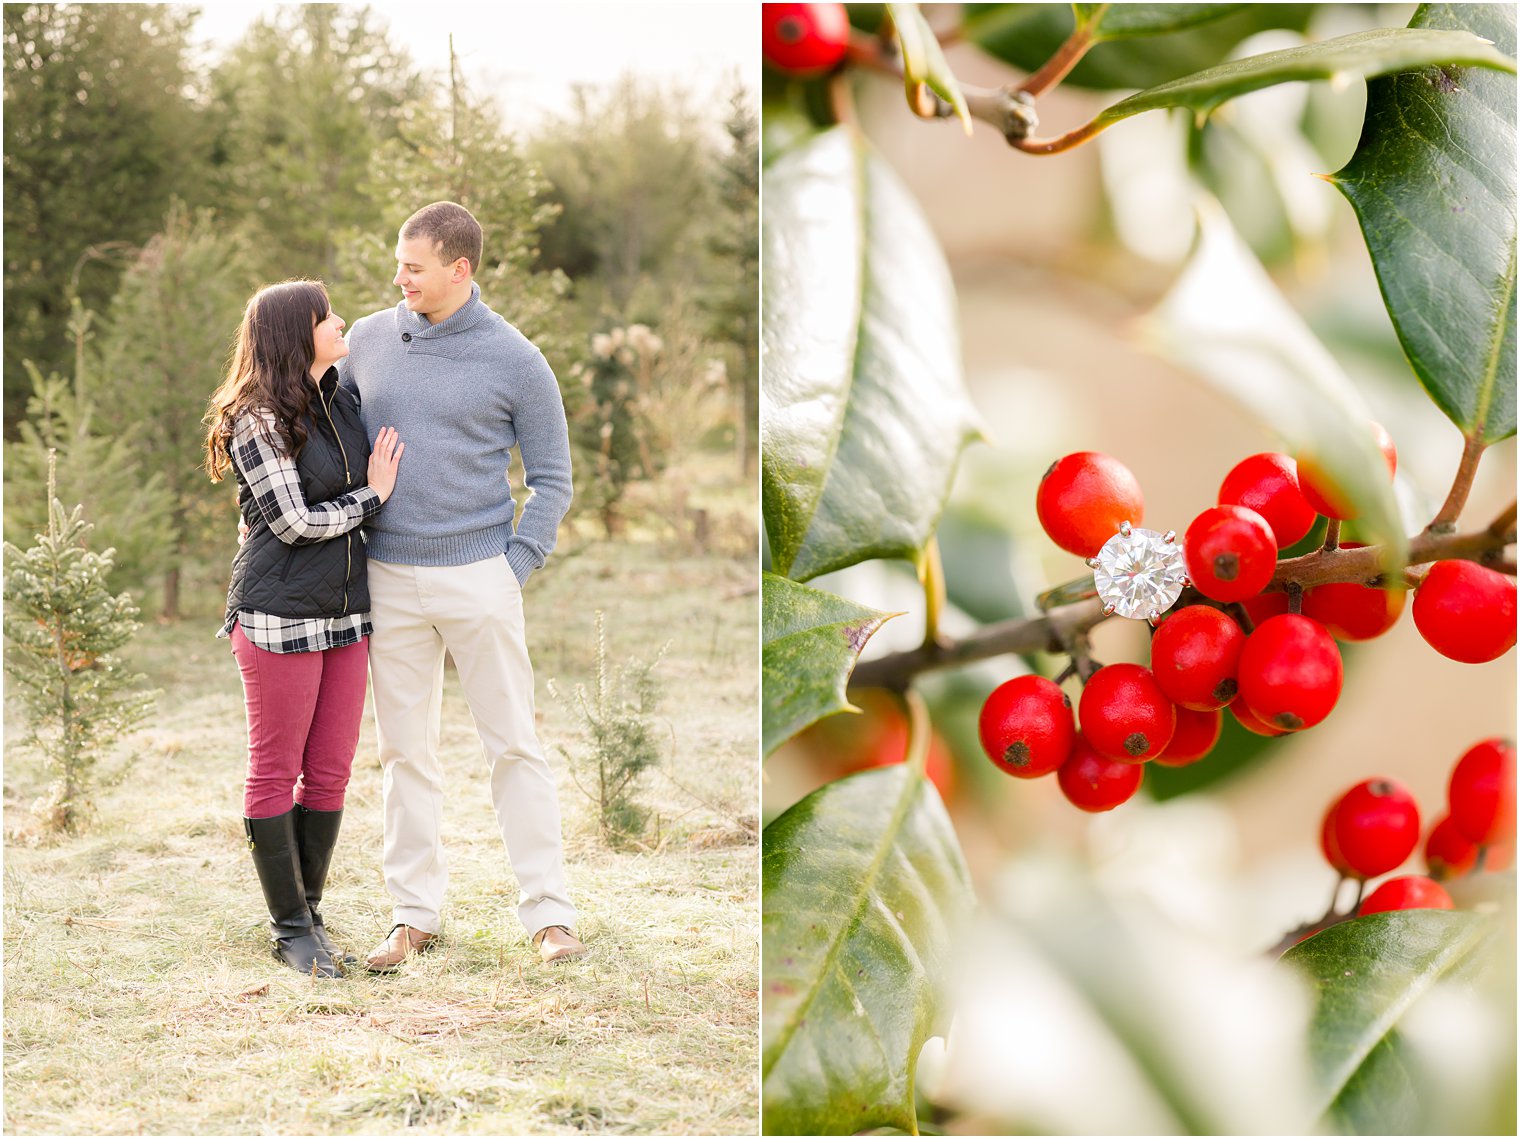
{"x":529,"y":54}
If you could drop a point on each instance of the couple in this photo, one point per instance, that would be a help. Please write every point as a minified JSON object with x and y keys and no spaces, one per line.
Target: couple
{"x":314,"y":428}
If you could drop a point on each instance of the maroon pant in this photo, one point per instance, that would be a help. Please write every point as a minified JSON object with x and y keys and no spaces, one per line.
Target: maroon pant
{"x":304,"y":711}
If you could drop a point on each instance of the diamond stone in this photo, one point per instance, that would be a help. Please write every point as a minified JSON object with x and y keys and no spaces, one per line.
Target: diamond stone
{"x":1140,"y":573}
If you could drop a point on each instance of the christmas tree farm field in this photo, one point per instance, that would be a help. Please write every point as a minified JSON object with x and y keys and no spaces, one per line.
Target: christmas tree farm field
{"x":140,"y":996}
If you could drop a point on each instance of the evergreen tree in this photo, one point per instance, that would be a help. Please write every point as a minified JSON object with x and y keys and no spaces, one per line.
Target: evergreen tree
{"x":61,"y":626}
{"x":163,"y":351}
{"x":102,"y":126}
{"x":732,"y":298}
{"x":101,"y":466}
{"x":453,"y":148}
{"x":301,"y":106}
{"x":629,"y":167}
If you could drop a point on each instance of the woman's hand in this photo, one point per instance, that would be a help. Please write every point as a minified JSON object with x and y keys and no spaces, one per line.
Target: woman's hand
{"x":383,"y":460}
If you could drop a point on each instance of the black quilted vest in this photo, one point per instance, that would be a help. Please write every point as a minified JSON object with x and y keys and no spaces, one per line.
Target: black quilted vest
{"x":316,"y":579}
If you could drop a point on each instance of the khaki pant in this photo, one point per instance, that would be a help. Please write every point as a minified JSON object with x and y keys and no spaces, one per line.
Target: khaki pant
{"x":475,"y":612}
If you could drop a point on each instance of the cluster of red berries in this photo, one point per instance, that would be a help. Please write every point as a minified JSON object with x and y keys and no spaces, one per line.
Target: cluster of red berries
{"x":1284,"y":676}
{"x":1375,"y":826}
{"x":804,"y":39}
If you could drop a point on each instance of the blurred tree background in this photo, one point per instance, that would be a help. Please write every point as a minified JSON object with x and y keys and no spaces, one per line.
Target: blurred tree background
{"x":149,"y":188}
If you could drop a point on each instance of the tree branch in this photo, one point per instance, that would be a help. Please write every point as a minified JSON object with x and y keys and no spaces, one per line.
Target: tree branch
{"x":1060,"y":628}
{"x":1504,"y":525}
{"x":1445,"y":521}
{"x":1059,"y":65}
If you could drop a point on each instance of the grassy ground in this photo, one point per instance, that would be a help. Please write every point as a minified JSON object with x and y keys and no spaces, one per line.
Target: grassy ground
{"x":140,"y":996}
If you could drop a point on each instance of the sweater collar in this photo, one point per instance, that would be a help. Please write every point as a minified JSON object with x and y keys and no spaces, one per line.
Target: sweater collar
{"x":471,"y":313}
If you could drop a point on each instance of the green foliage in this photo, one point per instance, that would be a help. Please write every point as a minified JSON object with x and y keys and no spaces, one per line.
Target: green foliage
{"x":859,"y":333}
{"x":301,"y":106}
{"x":452,"y":147}
{"x":1226,"y":321}
{"x":1433,"y":184}
{"x":1146,"y":44}
{"x":1381,"y":51}
{"x":1368,"y":976}
{"x":618,"y":715}
{"x":924,"y":62}
{"x":164,"y":350}
{"x":101,"y":129}
{"x":610,"y":422}
{"x":104,"y":470}
{"x":631,"y":165}
{"x":61,"y":626}
{"x":732,"y":296}
{"x":864,"y":890}
{"x":810,"y":643}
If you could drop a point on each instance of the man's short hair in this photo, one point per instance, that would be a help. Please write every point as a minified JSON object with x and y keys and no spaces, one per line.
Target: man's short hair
{"x":451,"y":228}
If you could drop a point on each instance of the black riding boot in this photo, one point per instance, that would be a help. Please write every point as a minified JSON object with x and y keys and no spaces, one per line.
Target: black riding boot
{"x":277,"y":861}
{"x":316,"y":835}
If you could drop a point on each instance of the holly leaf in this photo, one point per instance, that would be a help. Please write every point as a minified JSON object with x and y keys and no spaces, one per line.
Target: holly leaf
{"x":1433,"y":186}
{"x":1124,"y":21}
{"x":865,"y":890}
{"x":810,"y":641}
{"x":1142,"y":44}
{"x":1380,"y":51}
{"x":1225,"y":321}
{"x":864,"y":411}
{"x":924,"y":63}
{"x":1367,"y":974}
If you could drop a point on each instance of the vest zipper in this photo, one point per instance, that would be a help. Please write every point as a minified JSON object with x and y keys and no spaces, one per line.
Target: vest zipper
{"x":348,"y":478}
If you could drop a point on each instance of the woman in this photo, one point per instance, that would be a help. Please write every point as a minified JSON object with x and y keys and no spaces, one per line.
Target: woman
{"x":298,"y":606}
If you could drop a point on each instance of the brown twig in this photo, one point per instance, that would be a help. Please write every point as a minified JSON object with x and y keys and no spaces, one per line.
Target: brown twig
{"x":1056,"y":630}
{"x":1059,"y":65}
{"x":1061,"y":143}
{"x":1445,"y":521}
{"x":1047,"y":633}
{"x":1504,"y":525}
{"x":1333,"y":534}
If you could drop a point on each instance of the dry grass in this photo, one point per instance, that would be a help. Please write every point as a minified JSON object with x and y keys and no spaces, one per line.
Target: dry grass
{"x":140,"y":996}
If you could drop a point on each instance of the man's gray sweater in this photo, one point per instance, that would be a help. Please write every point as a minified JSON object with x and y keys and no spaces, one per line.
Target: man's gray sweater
{"x":460,"y":393}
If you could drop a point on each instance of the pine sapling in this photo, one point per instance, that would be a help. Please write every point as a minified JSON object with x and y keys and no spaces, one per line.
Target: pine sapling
{"x":61,"y":626}
{"x":619,"y":722}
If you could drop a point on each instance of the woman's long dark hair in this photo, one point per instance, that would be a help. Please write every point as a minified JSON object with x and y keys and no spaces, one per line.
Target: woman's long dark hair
{"x":271,"y":368}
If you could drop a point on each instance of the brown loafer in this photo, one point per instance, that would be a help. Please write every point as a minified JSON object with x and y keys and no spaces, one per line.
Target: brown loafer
{"x":399,"y":944}
{"x":556,"y":944}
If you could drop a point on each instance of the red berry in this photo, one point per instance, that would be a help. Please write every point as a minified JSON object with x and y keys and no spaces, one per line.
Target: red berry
{"x":1096,"y":783}
{"x":1231,"y":553}
{"x":1327,"y":498}
{"x":804,"y":39}
{"x":1353,"y":612}
{"x":1083,"y":498}
{"x":1265,"y":605}
{"x":1376,"y":826}
{"x":1250,"y":721}
{"x":1328,"y":847}
{"x":1026,"y":726}
{"x":1482,"y":793}
{"x":1195,"y":655}
{"x":1196,"y":735}
{"x":1268,"y":484}
{"x":1290,"y":672}
{"x":1411,"y":892}
{"x":1448,"y":852}
{"x":1466,"y":612}
{"x":877,"y":737}
{"x":1125,"y":715}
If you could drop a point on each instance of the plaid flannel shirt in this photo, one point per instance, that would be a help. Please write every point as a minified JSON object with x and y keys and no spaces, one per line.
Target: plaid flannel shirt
{"x":272,"y":477}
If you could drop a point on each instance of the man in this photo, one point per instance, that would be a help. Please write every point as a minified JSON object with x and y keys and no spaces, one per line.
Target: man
{"x":446,"y":569}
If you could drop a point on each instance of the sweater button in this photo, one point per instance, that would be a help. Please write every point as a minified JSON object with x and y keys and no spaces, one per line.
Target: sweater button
{"x":407,"y":337}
